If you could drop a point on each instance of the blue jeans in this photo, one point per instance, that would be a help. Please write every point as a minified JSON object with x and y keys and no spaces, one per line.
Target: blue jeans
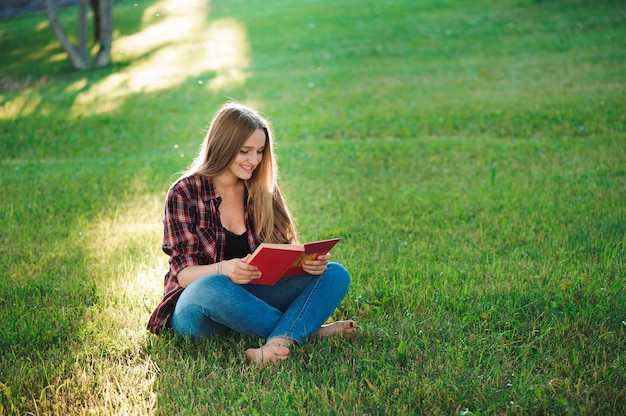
{"x":293,"y":308}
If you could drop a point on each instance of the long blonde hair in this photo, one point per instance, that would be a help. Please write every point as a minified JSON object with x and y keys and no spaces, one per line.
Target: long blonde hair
{"x":229,"y":130}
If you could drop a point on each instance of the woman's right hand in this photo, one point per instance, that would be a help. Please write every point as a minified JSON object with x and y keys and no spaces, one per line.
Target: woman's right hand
{"x":239,"y":271}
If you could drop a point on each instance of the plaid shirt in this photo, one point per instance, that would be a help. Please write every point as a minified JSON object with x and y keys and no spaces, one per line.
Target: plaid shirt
{"x":193,"y":235}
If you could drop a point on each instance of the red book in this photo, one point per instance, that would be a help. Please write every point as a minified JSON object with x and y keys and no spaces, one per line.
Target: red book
{"x":276,"y":261}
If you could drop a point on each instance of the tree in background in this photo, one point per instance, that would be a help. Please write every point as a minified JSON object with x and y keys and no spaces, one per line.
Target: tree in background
{"x":103,"y":28}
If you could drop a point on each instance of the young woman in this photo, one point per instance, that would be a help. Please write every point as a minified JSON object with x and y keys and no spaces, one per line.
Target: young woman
{"x":216,"y":214}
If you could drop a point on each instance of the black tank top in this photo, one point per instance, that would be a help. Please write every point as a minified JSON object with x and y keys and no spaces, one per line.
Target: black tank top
{"x":236,"y":245}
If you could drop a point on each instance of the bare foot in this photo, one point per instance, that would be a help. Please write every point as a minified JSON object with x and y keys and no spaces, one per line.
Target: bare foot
{"x":339,"y":328}
{"x":267,"y":354}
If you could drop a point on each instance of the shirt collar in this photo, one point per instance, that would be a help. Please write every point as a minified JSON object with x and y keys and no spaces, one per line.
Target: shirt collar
{"x":209,"y":190}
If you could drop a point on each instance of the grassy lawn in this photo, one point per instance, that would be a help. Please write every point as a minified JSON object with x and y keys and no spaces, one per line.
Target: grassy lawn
{"x":471,"y":155}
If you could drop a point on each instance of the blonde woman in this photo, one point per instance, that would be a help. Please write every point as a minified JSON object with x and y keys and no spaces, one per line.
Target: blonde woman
{"x":216,"y":214}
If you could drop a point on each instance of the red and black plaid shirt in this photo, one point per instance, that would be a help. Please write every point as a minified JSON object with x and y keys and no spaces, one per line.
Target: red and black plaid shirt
{"x":193,"y":235}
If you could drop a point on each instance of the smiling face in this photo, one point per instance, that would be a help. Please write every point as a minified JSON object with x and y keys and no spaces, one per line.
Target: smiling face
{"x":249,"y":156}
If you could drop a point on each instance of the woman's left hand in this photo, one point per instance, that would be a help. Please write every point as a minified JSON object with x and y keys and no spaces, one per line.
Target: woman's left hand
{"x":318,"y":266}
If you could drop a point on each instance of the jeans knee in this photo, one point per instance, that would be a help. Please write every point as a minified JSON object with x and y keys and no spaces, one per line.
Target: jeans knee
{"x":340,"y":276}
{"x":208,"y":289}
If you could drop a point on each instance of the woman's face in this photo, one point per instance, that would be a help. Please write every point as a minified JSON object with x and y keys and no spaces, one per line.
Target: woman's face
{"x":249,"y":156}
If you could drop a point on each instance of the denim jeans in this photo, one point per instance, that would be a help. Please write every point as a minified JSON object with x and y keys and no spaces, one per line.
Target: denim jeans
{"x":294,"y":307}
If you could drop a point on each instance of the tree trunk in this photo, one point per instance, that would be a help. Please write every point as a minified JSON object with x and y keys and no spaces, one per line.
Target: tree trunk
{"x":82,"y":29}
{"x":103,"y":22}
{"x":95,"y":6}
{"x":106,"y":33}
{"x":75,"y":57}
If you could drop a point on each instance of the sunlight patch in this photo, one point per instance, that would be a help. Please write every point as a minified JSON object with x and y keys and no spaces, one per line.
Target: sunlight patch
{"x":19,"y":107}
{"x":112,"y":372}
{"x":124,"y":248}
{"x":117,"y":386}
{"x":133,"y":224}
{"x":77,"y":85}
{"x":229,"y":48}
{"x":43,"y":25}
{"x":178,"y":45}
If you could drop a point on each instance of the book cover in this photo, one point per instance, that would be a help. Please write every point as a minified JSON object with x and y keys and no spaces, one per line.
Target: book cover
{"x":276,"y":261}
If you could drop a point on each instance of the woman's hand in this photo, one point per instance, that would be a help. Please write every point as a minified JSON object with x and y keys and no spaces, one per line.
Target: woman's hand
{"x":239,"y":271}
{"x":318,"y":266}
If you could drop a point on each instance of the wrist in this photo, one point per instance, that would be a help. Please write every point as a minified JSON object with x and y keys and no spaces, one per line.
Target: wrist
{"x":219,"y":267}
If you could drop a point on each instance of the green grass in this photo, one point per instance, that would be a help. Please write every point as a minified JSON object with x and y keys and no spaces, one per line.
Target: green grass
{"x":470,"y":154}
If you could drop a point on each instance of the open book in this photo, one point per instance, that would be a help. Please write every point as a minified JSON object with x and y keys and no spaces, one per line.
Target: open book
{"x":276,"y":261}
